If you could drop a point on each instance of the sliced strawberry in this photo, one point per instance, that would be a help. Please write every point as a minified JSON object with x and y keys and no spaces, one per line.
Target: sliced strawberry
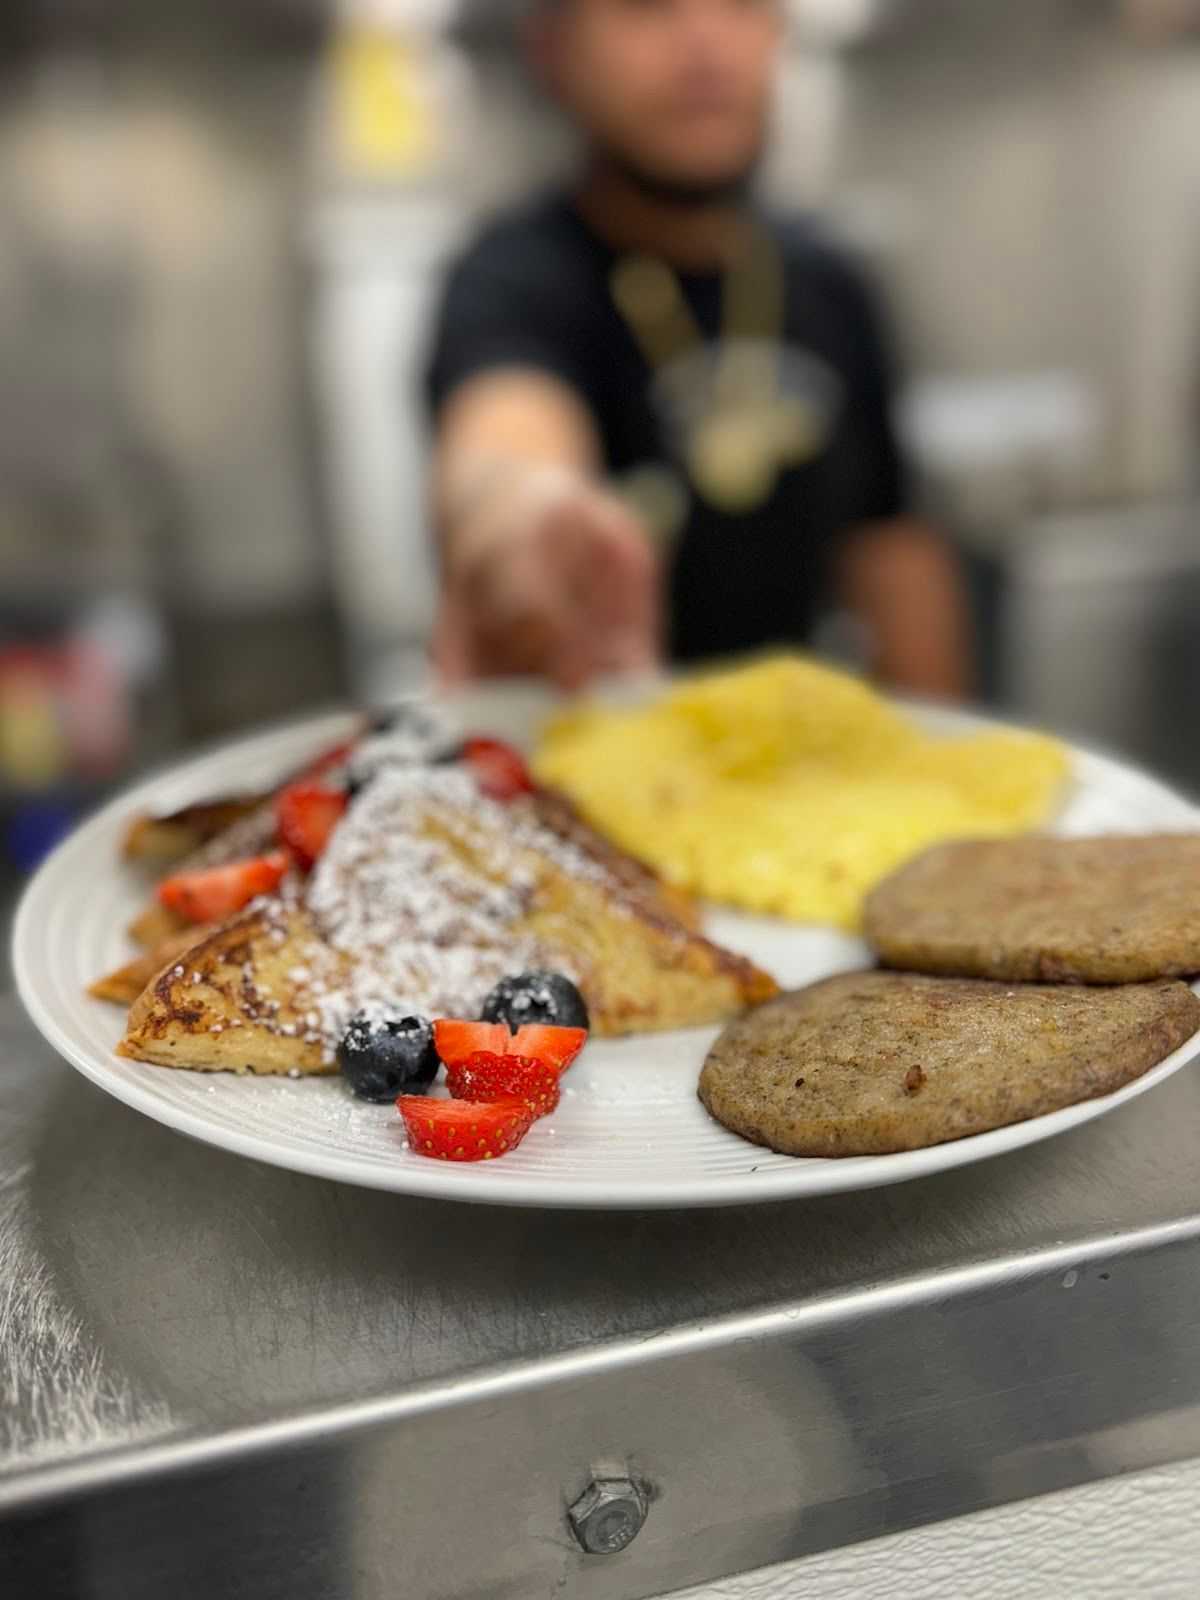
{"x":306,"y":814}
{"x":459,"y":1130}
{"x":487,"y":1076}
{"x":218,"y":892}
{"x":457,"y":1042}
{"x":335,"y":757}
{"x":556,"y":1047}
{"x":499,"y":770}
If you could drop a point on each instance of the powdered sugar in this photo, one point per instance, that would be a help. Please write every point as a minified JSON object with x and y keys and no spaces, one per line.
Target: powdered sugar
{"x":381,"y":879}
{"x":419,"y":733}
{"x":421,"y":887}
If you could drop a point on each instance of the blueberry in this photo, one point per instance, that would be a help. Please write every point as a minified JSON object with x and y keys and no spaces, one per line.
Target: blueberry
{"x":446,"y":755}
{"x":410,"y":712}
{"x":384,"y":1058}
{"x":410,"y":734}
{"x":410,"y":719}
{"x":546,"y":997}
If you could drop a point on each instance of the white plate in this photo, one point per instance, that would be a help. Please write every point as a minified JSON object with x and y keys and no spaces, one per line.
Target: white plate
{"x":630,"y":1131}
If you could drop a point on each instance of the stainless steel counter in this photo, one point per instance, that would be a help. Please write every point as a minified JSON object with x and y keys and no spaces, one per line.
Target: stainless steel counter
{"x":217,"y":1379}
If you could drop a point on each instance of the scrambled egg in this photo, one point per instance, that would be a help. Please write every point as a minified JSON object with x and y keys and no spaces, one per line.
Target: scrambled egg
{"x":790,"y":788}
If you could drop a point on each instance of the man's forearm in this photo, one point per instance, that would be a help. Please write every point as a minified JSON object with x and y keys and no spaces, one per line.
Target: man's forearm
{"x":543,"y":571}
{"x":906,"y":586}
{"x":498,"y":428}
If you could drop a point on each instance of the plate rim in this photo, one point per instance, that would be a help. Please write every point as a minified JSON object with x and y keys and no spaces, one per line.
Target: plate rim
{"x":445,"y":1182}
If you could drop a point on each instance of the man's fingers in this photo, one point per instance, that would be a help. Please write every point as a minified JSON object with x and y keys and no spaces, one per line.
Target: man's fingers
{"x":624,"y":588}
{"x":517,"y":611}
{"x":605,"y":578}
{"x":573,"y":591}
{"x":523,"y":643}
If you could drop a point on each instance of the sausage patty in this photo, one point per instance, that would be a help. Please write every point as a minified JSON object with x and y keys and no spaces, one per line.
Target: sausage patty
{"x":1120,"y":909}
{"x":871,"y":1062}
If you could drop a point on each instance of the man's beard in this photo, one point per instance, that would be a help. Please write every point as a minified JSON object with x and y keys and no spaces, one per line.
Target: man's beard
{"x":687,"y":193}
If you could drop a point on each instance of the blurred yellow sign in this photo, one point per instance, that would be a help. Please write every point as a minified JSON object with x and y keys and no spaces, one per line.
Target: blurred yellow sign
{"x":382,"y":107}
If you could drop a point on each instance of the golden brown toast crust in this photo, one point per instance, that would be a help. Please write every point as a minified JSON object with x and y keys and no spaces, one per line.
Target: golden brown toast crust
{"x":154,"y":925}
{"x":160,"y":841}
{"x":123,"y":986}
{"x":269,"y":991}
{"x":223,"y":1004}
{"x":640,"y":973}
{"x":562,"y":816}
{"x":219,"y":1007}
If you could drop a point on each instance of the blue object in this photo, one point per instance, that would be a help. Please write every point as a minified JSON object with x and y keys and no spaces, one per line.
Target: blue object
{"x":384,"y":1057}
{"x":548,"y":998}
{"x":34,"y":829}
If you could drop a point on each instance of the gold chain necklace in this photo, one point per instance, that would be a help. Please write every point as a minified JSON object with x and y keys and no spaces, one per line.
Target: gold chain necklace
{"x":738,"y":428}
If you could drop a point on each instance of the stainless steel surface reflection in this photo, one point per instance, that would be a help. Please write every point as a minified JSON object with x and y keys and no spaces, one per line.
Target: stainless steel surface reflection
{"x":226,"y":1380}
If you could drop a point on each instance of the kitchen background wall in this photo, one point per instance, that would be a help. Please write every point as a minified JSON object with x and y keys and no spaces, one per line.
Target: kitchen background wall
{"x":221,"y":228}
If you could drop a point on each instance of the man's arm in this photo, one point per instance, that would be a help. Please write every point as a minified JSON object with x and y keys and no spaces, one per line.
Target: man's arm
{"x":543,"y":571}
{"x":904,"y":584}
{"x":891,"y":571}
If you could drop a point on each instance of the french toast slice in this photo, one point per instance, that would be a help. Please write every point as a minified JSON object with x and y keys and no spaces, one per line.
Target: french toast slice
{"x":232,"y":1003}
{"x":164,"y":934}
{"x":156,"y":925}
{"x":427,"y":895}
{"x":163,"y":839}
{"x":160,"y":841}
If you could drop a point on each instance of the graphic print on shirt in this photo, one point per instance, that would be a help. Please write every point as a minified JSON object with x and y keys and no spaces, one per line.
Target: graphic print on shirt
{"x":736,"y":412}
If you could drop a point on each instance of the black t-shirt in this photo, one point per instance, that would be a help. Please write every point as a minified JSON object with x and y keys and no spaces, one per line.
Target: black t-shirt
{"x":537,"y":290}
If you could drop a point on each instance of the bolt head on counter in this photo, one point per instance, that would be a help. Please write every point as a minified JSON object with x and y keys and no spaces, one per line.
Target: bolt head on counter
{"x":608,"y":1516}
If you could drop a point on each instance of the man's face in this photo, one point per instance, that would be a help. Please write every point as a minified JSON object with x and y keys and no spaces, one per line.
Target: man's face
{"x":676,"y":91}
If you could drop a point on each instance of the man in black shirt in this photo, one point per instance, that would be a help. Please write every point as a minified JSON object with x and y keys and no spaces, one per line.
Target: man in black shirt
{"x":663,"y":416}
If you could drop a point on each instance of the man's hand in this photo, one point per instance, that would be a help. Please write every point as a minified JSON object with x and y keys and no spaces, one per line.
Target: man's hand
{"x":546,"y":574}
